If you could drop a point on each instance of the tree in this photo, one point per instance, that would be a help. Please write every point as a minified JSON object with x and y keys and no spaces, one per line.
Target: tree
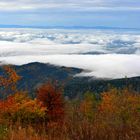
{"x":119,"y":109}
{"x":19,"y":107}
{"x":89,"y":105}
{"x":51,"y":97}
{"x":9,"y":79}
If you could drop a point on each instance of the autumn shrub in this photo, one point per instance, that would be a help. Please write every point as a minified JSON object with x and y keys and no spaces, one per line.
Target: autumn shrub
{"x":118,"y":115}
{"x":88,"y":106}
{"x":51,"y":98}
{"x":8,"y":81}
{"x":19,"y":107}
{"x":3,"y":131}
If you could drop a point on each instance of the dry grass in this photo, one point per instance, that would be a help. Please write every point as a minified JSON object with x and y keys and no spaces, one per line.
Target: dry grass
{"x":24,"y":134}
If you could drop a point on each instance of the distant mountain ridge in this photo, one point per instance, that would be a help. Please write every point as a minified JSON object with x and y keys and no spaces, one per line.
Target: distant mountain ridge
{"x":35,"y":74}
{"x":69,"y":27}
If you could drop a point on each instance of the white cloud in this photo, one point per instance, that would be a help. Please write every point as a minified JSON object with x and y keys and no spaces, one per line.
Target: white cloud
{"x":101,"y":66}
{"x":66,"y":48}
{"x":74,"y":4}
{"x":67,"y":42}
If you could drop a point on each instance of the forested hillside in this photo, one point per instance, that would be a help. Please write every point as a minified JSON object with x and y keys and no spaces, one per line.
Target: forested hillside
{"x":111,"y":115}
{"x":35,"y":74}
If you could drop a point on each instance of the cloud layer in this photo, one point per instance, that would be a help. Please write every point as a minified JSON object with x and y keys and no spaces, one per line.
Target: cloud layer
{"x":100,"y":66}
{"x":68,"y":42}
{"x":103,"y":54}
{"x":72,"y":4}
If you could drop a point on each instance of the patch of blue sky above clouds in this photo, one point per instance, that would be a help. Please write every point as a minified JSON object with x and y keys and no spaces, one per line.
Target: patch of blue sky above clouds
{"x":110,"y":13}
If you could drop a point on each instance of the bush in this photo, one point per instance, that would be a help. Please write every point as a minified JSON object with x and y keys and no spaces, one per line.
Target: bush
{"x":51,"y":98}
{"x":19,"y":107}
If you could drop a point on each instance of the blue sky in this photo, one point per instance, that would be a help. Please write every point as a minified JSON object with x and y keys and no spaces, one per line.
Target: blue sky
{"x":110,"y":13}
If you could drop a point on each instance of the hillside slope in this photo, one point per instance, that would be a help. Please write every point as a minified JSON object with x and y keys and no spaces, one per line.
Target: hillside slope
{"x":35,"y":74}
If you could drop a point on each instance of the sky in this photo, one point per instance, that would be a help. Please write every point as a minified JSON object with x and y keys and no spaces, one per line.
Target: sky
{"x":89,"y":13}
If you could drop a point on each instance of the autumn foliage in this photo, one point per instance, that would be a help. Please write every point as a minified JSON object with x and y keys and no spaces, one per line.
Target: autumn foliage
{"x":19,"y":107}
{"x":119,"y":113}
{"x":9,"y":79}
{"x":113,"y":115}
{"x":88,"y":106}
{"x":51,"y":98}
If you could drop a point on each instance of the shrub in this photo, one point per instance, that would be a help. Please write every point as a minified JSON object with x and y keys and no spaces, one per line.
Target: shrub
{"x":51,"y":97}
{"x":19,"y":107}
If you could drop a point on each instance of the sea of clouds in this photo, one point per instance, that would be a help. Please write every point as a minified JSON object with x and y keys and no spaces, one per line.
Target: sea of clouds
{"x":102,"y":54}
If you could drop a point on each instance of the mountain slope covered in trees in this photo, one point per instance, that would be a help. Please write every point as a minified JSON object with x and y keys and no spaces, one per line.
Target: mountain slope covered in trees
{"x":35,"y":74}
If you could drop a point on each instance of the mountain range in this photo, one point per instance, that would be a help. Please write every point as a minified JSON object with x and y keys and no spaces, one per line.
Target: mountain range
{"x":35,"y":74}
{"x":68,"y":27}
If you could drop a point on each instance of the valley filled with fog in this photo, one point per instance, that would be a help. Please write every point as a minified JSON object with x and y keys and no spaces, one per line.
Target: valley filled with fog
{"x":101,"y":53}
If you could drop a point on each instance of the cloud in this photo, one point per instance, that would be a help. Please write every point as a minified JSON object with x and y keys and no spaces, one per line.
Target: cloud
{"x":8,"y":5}
{"x":100,"y":66}
{"x":119,"y":52}
{"x":67,"y":42}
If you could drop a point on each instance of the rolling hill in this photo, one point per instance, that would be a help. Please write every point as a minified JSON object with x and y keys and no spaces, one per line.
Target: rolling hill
{"x":35,"y":74}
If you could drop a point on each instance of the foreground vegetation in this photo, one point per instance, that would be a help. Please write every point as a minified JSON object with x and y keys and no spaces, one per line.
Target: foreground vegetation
{"x":115,"y":115}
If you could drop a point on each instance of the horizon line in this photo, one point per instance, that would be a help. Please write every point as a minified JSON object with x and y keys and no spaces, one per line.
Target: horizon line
{"x":66,"y":27}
